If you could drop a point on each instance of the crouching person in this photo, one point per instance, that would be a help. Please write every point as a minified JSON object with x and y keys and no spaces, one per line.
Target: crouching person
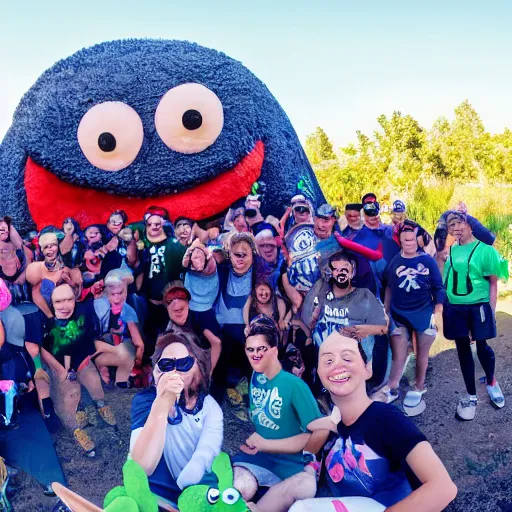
{"x":375,"y":451}
{"x":271,"y":471}
{"x":177,"y":427}
{"x":68,"y":345}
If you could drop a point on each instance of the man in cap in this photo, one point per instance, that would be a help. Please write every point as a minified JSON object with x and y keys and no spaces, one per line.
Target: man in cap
{"x":398,"y":212}
{"x":353,"y":218}
{"x":371,"y":212}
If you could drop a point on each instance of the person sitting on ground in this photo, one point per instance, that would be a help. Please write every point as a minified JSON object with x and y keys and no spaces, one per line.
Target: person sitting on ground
{"x":119,"y":343}
{"x":177,"y":428}
{"x":414,"y":293}
{"x":334,"y":304}
{"x":206,"y":330}
{"x":264,"y":301}
{"x":471,"y":279}
{"x":281,"y":405}
{"x":375,"y":451}
{"x":202,"y":283}
{"x":68,"y":345}
{"x":25,"y":442}
{"x":353,"y":218}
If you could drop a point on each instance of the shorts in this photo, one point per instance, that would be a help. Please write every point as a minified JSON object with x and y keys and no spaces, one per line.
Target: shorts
{"x":269,"y":468}
{"x":461,"y":320}
{"x":206,"y":320}
{"x":421,"y":321}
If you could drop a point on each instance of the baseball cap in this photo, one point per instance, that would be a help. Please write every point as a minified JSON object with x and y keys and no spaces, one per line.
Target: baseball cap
{"x":372,"y":209}
{"x":369,"y":198}
{"x":156,"y":210}
{"x":399,"y":206}
{"x":356,"y":207}
{"x":175,"y":290}
{"x":326,"y":211}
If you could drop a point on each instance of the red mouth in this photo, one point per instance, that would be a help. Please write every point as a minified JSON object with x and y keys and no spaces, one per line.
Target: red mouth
{"x":51,"y":200}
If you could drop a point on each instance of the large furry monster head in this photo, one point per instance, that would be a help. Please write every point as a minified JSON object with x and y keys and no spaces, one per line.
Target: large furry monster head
{"x":133,"y":123}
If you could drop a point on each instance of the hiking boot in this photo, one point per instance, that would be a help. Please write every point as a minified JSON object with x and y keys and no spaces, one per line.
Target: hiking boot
{"x":85,"y":442}
{"x":496,"y":395}
{"x":107,"y":415}
{"x":236,"y":403}
{"x":386,"y":395}
{"x":466,"y":409}
{"x":81,"y":419}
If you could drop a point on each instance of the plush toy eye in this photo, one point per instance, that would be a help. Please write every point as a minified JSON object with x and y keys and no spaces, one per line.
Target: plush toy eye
{"x":189,"y":118}
{"x":230,"y":496}
{"x":110,"y":135}
{"x":213,"y":495}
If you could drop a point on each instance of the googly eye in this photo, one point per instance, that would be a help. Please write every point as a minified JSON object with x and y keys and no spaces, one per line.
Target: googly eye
{"x":212,"y":495}
{"x":189,"y":118}
{"x":110,"y":135}
{"x":230,"y":496}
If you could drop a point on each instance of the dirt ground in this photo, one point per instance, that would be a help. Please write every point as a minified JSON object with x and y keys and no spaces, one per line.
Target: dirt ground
{"x":478,"y":454}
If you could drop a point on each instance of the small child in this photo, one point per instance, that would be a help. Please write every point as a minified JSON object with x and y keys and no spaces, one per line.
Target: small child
{"x":263,"y":301}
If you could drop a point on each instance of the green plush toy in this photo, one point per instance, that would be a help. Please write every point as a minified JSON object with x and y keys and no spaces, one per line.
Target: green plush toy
{"x":202,"y":498}
{"x":134,"y":495}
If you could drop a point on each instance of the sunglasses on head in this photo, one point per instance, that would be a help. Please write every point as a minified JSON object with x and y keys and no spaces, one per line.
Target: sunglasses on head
{"x":302,"y":209}
{"x":168,"y":364}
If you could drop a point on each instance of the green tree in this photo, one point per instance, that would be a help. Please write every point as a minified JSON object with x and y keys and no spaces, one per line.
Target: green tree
{"x":319,"y":147}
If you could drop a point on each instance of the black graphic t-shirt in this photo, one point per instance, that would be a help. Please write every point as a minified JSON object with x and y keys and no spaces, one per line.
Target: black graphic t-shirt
{"x":367,"y":458}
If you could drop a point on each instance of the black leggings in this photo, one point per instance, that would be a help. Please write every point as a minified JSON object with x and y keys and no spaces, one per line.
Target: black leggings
{"x":467,"y":364}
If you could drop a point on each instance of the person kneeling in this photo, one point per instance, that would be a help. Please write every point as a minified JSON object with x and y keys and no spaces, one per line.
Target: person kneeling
{"x":177,"y":428}
{"x":281,"y":406}
{"x":377,"y":452}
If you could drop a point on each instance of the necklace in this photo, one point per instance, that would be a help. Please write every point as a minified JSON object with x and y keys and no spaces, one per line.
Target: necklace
{"x":181,"y":406}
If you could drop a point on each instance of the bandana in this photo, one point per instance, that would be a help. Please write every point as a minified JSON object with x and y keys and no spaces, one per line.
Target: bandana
{"x":5,"y":296}
{"x":156,"y":210}
{"x":176,"y":293}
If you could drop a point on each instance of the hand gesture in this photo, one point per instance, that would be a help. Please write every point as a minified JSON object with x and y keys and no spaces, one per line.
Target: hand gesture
{"x":169,"y":388}
{"x":69,"y":228}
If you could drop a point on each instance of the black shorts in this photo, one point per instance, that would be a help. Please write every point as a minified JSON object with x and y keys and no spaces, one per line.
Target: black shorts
{"x":460,"y":320}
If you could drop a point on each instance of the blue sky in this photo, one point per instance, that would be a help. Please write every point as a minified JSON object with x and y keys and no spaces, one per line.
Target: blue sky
{"x":336,"y":64}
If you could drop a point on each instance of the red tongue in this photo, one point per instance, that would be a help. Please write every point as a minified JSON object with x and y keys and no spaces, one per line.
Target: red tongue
{"x":51,"y":200}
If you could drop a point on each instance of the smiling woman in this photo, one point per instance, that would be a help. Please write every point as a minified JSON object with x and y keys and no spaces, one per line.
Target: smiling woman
{"x":126,"y":124}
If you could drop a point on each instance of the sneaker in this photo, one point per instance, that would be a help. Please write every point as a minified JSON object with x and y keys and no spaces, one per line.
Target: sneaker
{"x":466,"y":408}
{"x":107,"y":415}
{"x":236,"y":403}
{"x":85,"y":442}
{"x":496,"y":395}
{"x":386,"y":395}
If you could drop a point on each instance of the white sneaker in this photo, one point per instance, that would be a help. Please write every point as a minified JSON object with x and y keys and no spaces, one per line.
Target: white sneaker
{"x":466,"y":408}
{"x":496,"y":395}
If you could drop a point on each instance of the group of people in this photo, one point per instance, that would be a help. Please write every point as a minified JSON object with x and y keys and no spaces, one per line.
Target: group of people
{"x":303,"y":324}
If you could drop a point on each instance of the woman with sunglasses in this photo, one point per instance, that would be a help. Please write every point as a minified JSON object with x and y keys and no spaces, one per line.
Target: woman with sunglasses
{"x":177,"y":427}
{"x":414,"y":293}
{"x":471,"y":277}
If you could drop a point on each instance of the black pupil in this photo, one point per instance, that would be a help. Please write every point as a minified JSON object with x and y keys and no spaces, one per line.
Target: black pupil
{"x":107,"y":142}
{"x":192,"y":119}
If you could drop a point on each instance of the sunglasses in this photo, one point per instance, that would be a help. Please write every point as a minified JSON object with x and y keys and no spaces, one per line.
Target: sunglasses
{"x":258,"y":350}
{"x":302,"y":209}
{"x":240,"y":255}
{"x":184,"y":364}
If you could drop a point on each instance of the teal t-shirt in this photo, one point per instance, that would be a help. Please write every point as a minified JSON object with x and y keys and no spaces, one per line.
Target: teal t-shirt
{"x":280,"y":408}
{"x":484,"y":262}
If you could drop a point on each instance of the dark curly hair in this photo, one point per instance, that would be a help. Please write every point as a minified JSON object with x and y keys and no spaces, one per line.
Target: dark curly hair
{"x":265,"y":326}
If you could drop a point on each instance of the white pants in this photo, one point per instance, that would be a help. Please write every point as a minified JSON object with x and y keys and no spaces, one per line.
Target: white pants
{"x":351,"y":504}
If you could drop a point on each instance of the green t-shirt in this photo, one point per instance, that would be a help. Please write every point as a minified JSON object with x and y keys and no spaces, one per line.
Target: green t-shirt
{"x":484,"y":262}
{"x":280,"y":408}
